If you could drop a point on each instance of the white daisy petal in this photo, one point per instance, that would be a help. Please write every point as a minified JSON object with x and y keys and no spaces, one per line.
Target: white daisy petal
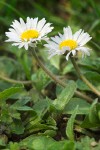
{"x":21,"y":45}
{"x":28,"y":34}
{"x":33,"y":23}
{"x":17,"y":26}
{"x":60,"y":35}
{"x":15,"y":44}
{"x":74,"y":52}
{"x":52,"y":45}
{"x":52,"y":54}
{"x":23,"y":24}
{"x":81,"y":37}
{"x":69,"y":33}
{"x":84,"y":50}
{"x":28,"y":23}
{"x":26,"y":46}
{"x":46,"y":29}
{"x":65,"y":33}
{"x":76,"y":35}
{"x":56,"y":39}
{"x":67,"y":56}
{"x":85,"y":41}
{"x":40,"y":24}
{"x":62,"y":43}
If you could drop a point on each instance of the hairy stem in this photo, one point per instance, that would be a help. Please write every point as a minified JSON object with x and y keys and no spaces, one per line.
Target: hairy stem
{"x":57,"y":80}
{"x":14,"y":81}
{"x":82,"y":77}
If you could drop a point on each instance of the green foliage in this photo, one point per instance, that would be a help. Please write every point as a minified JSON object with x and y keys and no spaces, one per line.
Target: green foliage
{"x":83,"y":106}
{"x":9,"y":92}
{"x":13,"y":146}
{"x":47,"y":143}
{"x":69,"y":128}
{"x":92,"y":119}
{"x":40,"y":79}
{"x":65,"y":96}
{"x":87,"y":144}
{"x":40,"y":114}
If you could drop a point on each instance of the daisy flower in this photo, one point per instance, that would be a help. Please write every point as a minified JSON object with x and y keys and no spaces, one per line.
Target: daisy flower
{"x":27,"y":34}
{"x":69,"y":43}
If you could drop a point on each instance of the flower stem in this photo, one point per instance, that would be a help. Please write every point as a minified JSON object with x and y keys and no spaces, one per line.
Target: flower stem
{"x":57,"y":80}
{"x":14,"y":81}
{"x":82,"y":77}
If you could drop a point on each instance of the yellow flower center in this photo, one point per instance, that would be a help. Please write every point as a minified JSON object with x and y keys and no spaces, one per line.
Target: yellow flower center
{"x":29,"y":34}
{"x":69,"y":43}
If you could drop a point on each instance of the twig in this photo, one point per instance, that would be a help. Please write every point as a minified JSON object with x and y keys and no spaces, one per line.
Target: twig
{"x":82,"y":77}
{"x":52,"y":76}
{"x":14,"y":81}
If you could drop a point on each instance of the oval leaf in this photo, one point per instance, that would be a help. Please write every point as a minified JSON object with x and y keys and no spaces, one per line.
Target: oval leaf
{"x":70,"y":123}
{"x":65,"y":96}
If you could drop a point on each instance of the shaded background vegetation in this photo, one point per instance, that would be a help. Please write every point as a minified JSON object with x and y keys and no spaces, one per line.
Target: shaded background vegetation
{"x":19,"y":65}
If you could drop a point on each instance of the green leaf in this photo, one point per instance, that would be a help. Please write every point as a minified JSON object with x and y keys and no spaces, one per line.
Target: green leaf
{"x":67,"y":68}
{"x":34,"y":127}
{"x":98,"y":109}
{"x":24,"y":108}
{"x":40,"y":79}
{"x":62,"y":145}
{"x":17,"y":127}
{"x":87,"y":143}
{"x":4,"y":85}
{"x":50,"y":133}
{"x":87,"y":124}
{"x":42,"y":106}
{"x":92,"y":118}
{"x":65,"y":96}
{"x":51,"y":121}
{"x":5,"y":64}
{"x":20,"y":104}
{"x":83,"y":106}
{"x":26,"y":65}
{"x":37,"y":142}
{"x":70,"y":123}
{"x":14,"y":114}
{"x":55,"y":61}
{"x":91,"y":64}
{"x":3,"y":140}
{"x":47,"y":143}
{"x":93,"y":77}
{"x":59,"y":89}
{"x":22,"y":100}
{"x":82,"y":86}
{"x":14,"y":146}
{"x":9,"y":92}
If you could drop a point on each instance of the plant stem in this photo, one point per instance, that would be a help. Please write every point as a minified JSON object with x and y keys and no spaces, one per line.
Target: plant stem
{"x":82,"y":77}
{"x":14,"y":81}
{"x":57,"y":80}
